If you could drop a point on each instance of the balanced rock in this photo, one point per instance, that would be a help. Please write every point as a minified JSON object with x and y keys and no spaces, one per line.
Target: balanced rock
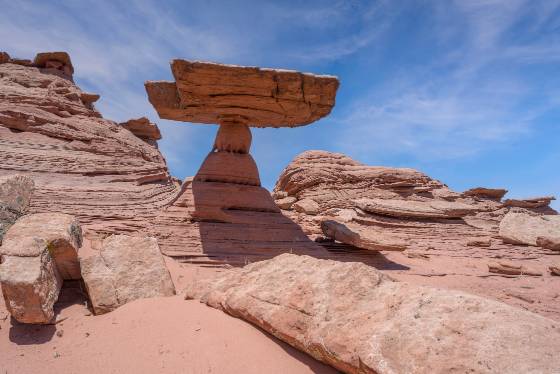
{"x":524,"y":228}
{"x":354,"y":318}
{"x":126,"y":268}
{"x":365,"y":239}
{"x":15,"y":196}
{"x":39,"y":251}
{"x":225,"y":214}
{"x":142,"y":128}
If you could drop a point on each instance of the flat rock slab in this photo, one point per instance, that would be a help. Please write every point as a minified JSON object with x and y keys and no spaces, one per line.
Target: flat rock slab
{"x":369,"y":239}
{"x":211,"y":93}
{"x":415,"y":209}
{"x":126,"y":268}
{"x":524,"y":228}
{"x":354,"y":318}
{"x":142,"y":128}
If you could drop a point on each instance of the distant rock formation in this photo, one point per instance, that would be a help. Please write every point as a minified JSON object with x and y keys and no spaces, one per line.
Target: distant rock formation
{"x":82,"y":164}
{"x":358,"y":320}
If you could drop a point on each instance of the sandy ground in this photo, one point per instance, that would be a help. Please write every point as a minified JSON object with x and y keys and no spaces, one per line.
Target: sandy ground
{"x":161,"y":335}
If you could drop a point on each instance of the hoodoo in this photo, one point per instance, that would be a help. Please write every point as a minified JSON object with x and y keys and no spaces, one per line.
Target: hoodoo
{"x":226,"y":214}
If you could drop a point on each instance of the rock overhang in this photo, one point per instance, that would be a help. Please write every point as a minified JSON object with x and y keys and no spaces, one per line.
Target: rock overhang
{"x":210,"y":93}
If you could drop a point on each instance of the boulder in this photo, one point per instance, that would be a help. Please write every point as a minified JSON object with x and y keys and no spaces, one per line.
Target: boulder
{"x":286,"y":202}
{"x":524,"y":228}
{"x":39,"y":251}
{"x":142,"y":128}
{"x":54,"y":60}
{"x":365,"y":239}
{"x":126,"y":268}
{"x":354,"y":318}
{"x":15,"y":196}
{"x":551,"y":241}
{"x":307,"y":206}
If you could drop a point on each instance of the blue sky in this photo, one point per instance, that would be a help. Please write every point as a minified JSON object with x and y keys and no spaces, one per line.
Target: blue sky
{"x":466,"y":91}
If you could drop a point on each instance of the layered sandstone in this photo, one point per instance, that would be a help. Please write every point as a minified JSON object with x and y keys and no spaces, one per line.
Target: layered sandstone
{"x":450,"y":237}
{"x":358,"y":320}
{"x":82,"y":164}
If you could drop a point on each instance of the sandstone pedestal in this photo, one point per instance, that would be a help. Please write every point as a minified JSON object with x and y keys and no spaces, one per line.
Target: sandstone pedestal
{"x":224,"y":214}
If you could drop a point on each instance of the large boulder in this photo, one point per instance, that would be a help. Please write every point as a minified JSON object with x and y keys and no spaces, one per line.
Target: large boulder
{"x":527,"y":229}
{"x":38,"y":252}
{"x":354,"y":318}
{"x":126,"y":268}
{"x":15,"y":196}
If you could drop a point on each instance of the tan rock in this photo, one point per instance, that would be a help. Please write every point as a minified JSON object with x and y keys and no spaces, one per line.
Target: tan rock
{"x":142,"y":128}
{"x":30,"y":284}
{"x":551,"y":241}
{"x":215,"y":93}
{"x":354,"y":318}
{"x":361,"y":239}
{"x":508,"y":268}
{"x":229,"y":167}
{"x":286,"y":202}
{"x":126,"y":268}
{"x":524,"y":228}
{"x":46,"y":59}
{"x":234,"y":137}
{"x":488,"y":193}
{"x":61,"y":232}
{"x":307,"y":206}
{"x":415,"y":209}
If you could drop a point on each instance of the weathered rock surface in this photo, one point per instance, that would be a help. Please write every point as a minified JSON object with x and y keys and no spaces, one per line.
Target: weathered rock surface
{"x":366,"y":239}
{"x":142,"y":128}
{"x":82,"y":164}
{"x":486,"y":193}
{"x":206,"y":92}
{"x":126,"y":268}
{"x":39,"y":251}
{"x":354,"y":318}
{"x":15,"y":196}
{"x":508,"y":268}
{"x":525,"y":228}
{"x":450,"y":237}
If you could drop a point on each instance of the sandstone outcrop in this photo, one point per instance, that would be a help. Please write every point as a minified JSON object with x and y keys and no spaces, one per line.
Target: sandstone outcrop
{"x":536,"y":202}
{"x":124,"y":269}
{"x":39,"y":251}
{"x":55,"y":60}
{"x":486,"y":193}
{"x":366,"y":239}
{"x":143,"y":128}
{"x":224,"y":214}
{"x":82,"y":164}
{"x":450,"y":237}
{"x":354,"y":318}
{"x":527,"y":229}
{"x":15,"y":196}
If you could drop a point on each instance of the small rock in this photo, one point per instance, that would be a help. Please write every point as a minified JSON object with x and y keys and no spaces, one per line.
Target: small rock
{"x":479,"y":243}
{"x":509,"y":268}
{"x":60,"y":333}
{"x":554,"y":269}
{"x":307,"y":206}
{"x":286,"y":202}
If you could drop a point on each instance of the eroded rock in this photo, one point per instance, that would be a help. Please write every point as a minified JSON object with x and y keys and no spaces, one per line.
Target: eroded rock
{"x":142,"y":128}
{"x":354,"y":318}
{"x":524,"y":228}
{"x":366,"y":239}
{"x":508,"y":268}
{"x":126,"y":268}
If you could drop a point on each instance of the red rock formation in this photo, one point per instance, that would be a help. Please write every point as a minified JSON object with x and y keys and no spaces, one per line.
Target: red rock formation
{"x":448,"y":235}
{"x":81,"y":163}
